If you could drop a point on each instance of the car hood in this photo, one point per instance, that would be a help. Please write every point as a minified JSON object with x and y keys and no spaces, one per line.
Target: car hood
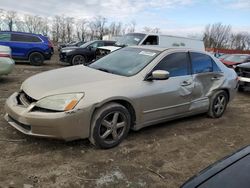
{"x":244,"y":65}
{"x":69,"y":48}
{"x":66,"y":80}
{"x":229,"y":62}
{"x":109,"y":48}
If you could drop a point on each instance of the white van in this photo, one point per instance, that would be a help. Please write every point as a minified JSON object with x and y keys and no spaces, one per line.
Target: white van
{"x":133,"y":39}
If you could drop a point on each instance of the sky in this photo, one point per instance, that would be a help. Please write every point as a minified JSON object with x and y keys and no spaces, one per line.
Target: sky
{"x":178,"y":17}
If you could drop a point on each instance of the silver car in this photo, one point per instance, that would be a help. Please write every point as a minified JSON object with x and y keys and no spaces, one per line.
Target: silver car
{"x":131,"y":88}
{"x":6,"y":62}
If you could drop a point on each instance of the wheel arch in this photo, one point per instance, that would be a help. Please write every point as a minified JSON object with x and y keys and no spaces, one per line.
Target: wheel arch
{"x":122,"y":101}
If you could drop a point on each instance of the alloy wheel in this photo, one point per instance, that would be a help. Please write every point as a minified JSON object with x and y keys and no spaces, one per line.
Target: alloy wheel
{"x":113,"y":127}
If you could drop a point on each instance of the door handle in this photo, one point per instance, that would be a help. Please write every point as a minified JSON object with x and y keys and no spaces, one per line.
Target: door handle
{"x":215,"y":78}
{"x":186,"y":83}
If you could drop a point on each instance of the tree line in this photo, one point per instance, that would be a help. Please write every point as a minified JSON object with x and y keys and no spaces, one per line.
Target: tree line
{"x":66,"y":29}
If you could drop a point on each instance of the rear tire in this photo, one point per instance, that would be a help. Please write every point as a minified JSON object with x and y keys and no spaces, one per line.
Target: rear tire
{"x":110,"y":125}
{"x":36,"y":59}
{"x":218,"y":104}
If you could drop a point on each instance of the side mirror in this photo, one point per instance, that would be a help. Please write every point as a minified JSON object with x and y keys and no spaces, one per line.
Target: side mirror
{"x":90,"y":48}
{"x":158,"y":75}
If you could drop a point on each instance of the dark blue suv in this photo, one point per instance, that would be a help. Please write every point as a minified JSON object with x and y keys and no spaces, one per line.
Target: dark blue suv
{"x":34,"y":48}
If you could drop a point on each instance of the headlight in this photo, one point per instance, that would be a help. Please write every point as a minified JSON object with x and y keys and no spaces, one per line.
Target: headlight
{"x":66,"y":51}
{"x":63,"y":102}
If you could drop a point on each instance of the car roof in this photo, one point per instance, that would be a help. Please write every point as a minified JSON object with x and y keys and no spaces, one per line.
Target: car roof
{"x":161,"y":49}
{"x":19,"y":32}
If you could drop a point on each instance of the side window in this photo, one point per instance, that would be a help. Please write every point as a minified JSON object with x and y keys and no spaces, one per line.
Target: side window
{"x":201,"y":63}
{"x":24,"y":38}
{"x":94,"y":45}
{"x":151,"y":40}
{"x":177,"y":64}
{"x":100,"y":43}
{"x":4,"y":37}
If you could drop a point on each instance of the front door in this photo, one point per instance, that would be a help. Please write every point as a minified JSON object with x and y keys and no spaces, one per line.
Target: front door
{"x":169,"y":98}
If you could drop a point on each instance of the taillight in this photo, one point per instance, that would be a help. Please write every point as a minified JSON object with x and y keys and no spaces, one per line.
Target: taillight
{"x":5,"y":55}
{"x":50,"y":44}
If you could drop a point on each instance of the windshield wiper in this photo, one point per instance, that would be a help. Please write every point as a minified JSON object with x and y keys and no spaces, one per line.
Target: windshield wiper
{"x":104,"y":70}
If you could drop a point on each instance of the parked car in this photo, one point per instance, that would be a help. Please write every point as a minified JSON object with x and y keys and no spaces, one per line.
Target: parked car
{"x":138,"y":39}
{"x":243,"y":71}
{"x":230,"y":172}
{"x":71,"y":44}
{"x":222,"y":57}
{"x":27,"y":46}
{"x":83,"y":54}
{"x":131,"y":88}
{"x":6,"y":62}
{"x":235,"y":59}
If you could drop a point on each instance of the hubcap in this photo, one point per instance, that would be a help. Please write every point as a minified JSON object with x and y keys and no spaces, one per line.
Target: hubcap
{"x":220,"y":104}
{"x":113,"y":126}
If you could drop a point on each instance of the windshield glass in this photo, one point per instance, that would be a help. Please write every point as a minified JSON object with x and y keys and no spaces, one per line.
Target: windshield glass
{"x":130,"y":39}
{"x":86,"y":44}
{"x":126,"y":61}
{"x":236,"y":58}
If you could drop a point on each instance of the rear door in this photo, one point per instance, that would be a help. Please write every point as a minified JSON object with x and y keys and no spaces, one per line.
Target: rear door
{"x":207,"y":77}
{"x":22,"y":44}
{"x":171,"y":97}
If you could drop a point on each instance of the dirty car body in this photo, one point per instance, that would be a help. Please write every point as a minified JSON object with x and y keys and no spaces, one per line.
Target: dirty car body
{"x":123,"y":77}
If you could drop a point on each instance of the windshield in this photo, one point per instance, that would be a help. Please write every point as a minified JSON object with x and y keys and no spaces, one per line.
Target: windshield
{"x":236,"y":58}
{"x":126,"y":61}
{"x":130,"y":39}
{"x":86,"y":44}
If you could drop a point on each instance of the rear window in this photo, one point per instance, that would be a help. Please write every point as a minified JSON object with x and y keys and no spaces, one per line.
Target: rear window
{"x":201,"y":63}
{"x":24,"y":38}
{"x":4,"y":37}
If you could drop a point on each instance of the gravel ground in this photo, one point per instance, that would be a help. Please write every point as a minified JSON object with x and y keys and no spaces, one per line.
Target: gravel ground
{"x":163,"y":155}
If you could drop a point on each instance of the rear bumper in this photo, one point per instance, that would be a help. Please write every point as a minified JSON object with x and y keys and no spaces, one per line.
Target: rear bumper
{"x":6,"y":65}
{"x":48,"y":55}
{"x":60,"y":125}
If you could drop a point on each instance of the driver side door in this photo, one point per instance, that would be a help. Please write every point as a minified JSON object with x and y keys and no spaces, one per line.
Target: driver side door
{"x":164,"y":99}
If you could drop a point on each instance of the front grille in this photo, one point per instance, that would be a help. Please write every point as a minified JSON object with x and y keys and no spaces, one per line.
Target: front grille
{"x":24,"y":99}
{"x":243,"y":72}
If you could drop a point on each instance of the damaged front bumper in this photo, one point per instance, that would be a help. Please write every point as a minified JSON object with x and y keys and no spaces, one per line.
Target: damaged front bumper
{"x":61,"y":125}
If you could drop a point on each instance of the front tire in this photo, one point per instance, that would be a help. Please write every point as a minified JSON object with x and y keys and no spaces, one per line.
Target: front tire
{"x":110,"y":125}
{"x":218,"y":104}
{"x":36,"y":59}
{"x":78,"y":60}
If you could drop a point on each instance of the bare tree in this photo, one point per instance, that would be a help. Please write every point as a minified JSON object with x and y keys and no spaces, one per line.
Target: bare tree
{"x":81,"y":29}
{"x":151,"y":30}
{"x":10,"y":19}
{"x":33,"y":23}
{"x":217,"y":35}
{"x":99,"y":26}
{"x":56,"y":29}
{"x":240,"y":41}
{"x":69,"y":22}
